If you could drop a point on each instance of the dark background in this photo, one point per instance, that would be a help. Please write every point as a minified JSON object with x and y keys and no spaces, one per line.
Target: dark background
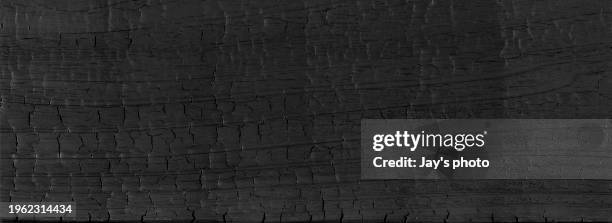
{"x":250,"y":110}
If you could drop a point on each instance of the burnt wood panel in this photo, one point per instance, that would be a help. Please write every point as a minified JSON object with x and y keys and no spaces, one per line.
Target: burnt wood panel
{"x":249,"y":111}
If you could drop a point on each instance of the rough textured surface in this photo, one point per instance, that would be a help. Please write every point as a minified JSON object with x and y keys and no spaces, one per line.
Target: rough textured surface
{"x":250,"y":110}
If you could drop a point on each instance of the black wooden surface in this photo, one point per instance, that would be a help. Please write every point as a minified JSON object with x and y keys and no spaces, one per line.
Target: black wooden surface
{"x":249,"y":111}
